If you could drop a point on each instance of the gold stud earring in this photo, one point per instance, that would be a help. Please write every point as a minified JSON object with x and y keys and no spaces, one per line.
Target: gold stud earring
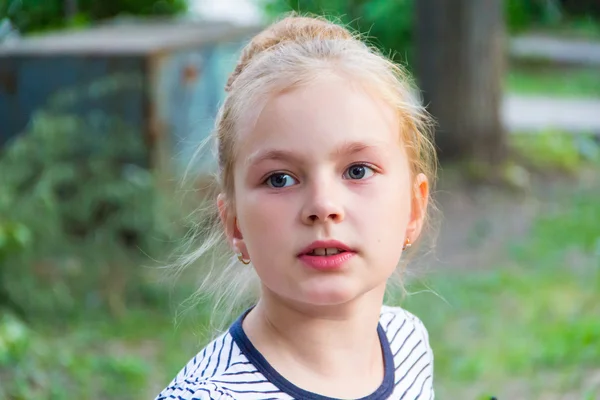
{"x":241,"y":258}
{"x":407,"y":244}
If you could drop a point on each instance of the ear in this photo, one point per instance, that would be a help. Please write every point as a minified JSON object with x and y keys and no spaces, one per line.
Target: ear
{"x":420,"y":200}
{"x":231,"y":227}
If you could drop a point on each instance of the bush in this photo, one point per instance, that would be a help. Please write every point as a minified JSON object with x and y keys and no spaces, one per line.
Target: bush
{"x":37,"y":15}
{"x":79,"y":214}
{"x":521,"y":15}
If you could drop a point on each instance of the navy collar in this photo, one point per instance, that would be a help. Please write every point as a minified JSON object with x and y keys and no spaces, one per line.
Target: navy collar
{"x":262,"y":365}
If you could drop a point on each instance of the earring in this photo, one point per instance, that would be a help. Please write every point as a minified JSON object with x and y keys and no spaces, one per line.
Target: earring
{"x":241,"y":258}
{"x":407,"y":244}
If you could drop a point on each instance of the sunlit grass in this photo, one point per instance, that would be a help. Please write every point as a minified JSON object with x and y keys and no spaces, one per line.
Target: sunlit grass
{"x":584,"y":82}
{"x":513,"y":326}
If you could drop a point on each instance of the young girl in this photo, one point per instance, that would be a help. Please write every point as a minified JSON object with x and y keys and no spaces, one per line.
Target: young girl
{"x":324,"y":171}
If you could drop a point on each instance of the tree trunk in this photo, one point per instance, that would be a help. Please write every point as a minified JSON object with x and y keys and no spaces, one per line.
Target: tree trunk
{"x":460,"y":68}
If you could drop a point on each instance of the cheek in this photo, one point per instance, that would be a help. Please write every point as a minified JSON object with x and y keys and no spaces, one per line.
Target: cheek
{"x":266,"y":223}
{"x":393,"y":214}
{"x":391,"y":197}
{"x":261,"y":212}
{"x":386,"y":215}
{"x":262,"y":217}
{"x":263,"y":220}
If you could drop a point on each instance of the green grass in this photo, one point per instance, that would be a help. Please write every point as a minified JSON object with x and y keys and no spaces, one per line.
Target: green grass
{"x":554,"y":151}
{"x":128,"y":359}
{"x":502,"y":326}
{"x":527,"y":326}
{"x":584,"y":82}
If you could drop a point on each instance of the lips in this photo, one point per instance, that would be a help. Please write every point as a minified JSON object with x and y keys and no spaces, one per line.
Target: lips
{"x":327,"y":255}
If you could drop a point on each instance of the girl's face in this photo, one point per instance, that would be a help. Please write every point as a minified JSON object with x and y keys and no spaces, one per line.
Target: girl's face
{"x":324,"y":168}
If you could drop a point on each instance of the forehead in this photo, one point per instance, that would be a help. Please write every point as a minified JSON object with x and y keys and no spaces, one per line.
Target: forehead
{"x":327,"y":112}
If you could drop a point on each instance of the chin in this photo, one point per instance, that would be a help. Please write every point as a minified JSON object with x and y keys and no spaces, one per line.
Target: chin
{"x":329,"y":294}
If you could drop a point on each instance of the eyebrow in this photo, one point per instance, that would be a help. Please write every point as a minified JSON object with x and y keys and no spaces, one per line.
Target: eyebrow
{"x":286,"y":155}
{"x":353,"y":148}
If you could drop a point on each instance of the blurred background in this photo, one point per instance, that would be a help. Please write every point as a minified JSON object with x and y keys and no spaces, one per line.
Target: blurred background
{"x":102,"y":104}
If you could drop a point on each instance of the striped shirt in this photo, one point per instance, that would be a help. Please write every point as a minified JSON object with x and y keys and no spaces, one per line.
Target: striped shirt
{"x":230,"y":367}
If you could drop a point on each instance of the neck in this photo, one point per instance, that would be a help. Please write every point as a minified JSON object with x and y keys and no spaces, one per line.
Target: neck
{"x":337,"y":343}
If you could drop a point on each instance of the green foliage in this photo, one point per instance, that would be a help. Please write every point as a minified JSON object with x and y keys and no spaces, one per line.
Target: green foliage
{"x":552,"y":151}
{"x":87,"y":361}
{"x":523,"y":14}
{"x":555,"y":16}
{"x":14,"y":339}
{"x":14,"y":237}
{"x":584,"y":27}
{"x":81,"y":219}
{"x":80,"y":213}
{"x":39,"y":15}
{"x":387,"y":25}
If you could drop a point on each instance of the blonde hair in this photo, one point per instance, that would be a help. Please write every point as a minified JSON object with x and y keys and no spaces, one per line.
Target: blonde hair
{"x":292,"y":52}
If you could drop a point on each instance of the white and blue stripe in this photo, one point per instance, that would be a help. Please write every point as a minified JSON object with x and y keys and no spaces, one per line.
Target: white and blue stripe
{"x":231,"y":368}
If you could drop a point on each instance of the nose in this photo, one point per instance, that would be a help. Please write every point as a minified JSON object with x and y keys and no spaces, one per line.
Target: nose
{"x":323,"y":204}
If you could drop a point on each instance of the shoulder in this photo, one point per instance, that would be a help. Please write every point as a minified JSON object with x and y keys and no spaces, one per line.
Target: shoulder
{"x":402,"y":326}
{"x":394,"y":318}
{"x":211,"y":372}
{"x":411,"y":353}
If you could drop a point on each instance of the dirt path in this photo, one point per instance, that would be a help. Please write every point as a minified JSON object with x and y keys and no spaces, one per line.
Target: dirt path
{"x":476,"y":223}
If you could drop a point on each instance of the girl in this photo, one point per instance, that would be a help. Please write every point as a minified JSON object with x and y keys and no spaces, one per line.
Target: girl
{"x":325,"y":169}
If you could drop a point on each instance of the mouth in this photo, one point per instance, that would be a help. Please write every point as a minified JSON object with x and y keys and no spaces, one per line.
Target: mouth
{"x":327,"y":255}
{"x":322,"y":251}
{"x":326,"y":248}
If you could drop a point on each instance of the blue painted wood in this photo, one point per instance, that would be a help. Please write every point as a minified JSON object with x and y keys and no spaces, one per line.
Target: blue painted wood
{"x":179,"y":85}
{"x":189,"y":108}
{"x":31,"y":84}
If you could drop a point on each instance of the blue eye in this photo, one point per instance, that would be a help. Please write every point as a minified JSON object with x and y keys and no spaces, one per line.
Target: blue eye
{"x":358,"y":171}
{"x":280,"y":180}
